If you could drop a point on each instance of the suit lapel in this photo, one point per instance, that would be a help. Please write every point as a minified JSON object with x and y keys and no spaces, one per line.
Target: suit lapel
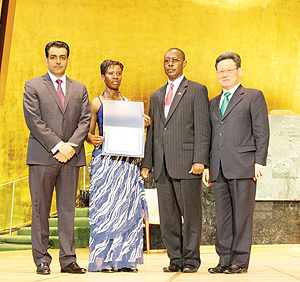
{"x":178,"y":95}
{"x":69,"y":86}
{"x":161,"y":102}
{"x":49,"y":84}
{"x":216,"y":106}
{"x":236,"y":98}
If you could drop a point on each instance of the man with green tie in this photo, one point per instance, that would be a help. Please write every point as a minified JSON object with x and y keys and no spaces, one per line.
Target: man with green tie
{"x":239,"y":147}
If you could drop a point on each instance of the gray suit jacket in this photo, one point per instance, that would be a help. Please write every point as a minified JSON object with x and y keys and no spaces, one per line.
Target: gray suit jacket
{"x":240,"y":138}
{"x":49,"y":123}
{"x":184,"y":138}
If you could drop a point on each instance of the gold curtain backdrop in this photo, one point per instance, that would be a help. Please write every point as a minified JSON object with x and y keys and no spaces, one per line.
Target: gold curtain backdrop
{"x":264,"y":32}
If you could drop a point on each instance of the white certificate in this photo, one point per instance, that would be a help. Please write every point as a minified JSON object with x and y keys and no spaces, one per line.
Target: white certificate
{"x":123,"y":128}
{"x":123,"y":141}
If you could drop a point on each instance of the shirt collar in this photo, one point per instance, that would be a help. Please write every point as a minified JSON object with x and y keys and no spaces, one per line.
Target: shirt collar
{"x":177,"y":81}
{"x":232,"y":90}
{"x":54,"y":78}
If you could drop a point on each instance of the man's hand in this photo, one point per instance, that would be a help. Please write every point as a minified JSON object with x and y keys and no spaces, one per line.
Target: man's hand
{"x":61,"y":158}
{"x":145,"y":172}
{"x":259,"y":174}
{"x":67,"y":149}
{"x":205,"y":177}
{"x":197,"y":168}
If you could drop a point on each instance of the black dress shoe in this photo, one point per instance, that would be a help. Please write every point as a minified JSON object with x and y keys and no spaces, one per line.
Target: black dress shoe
{"x":218,"y":269}
{"x":234,"y":269}
{"x":43,"y":268}
{"x":189,"y":268}
{"x":172,"y":268}
{"x":73,"y":267}
{"x":128,"y":269}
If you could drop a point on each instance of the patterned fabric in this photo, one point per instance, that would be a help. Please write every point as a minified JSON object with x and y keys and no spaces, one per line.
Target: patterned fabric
{"x":225,"y":103}
{"x":117,"y":201}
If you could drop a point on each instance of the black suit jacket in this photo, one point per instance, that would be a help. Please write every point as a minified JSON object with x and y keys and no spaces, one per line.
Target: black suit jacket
{"x":240,"y":138}
{"x":184,"y":137}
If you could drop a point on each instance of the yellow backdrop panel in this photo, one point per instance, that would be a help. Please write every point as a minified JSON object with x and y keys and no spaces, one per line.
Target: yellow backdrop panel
{"x":264,"y":32}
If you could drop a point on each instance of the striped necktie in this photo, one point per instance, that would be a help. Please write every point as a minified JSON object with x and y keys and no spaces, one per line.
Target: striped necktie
{"x":225,"y":103}
{"x":60,"y":93}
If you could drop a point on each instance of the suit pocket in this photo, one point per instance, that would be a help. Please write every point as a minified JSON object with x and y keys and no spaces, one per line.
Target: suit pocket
{"x":246,"y":148}
{"x":187,"y":146}
{"x":75,"y":101}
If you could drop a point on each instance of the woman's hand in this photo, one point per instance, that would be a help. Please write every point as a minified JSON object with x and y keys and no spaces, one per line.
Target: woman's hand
{"x":95,"y":139}
{"x":147,"y":121}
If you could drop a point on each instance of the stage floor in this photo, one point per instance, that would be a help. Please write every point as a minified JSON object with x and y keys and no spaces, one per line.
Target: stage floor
{"x":268,"y":263}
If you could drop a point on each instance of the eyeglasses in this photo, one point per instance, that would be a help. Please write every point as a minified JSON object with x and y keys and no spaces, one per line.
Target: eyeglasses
{"x":174,"y":61}
{"x":229,"y":72}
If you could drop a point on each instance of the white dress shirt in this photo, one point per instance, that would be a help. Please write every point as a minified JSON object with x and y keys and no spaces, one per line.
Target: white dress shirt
{"x":232,"y":90}
{"x":63,"y":84}
{"x":63,"y":87}
{"x":176,"y":84}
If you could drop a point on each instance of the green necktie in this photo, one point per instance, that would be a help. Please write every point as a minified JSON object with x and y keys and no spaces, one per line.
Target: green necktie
{"x":225,"y":103}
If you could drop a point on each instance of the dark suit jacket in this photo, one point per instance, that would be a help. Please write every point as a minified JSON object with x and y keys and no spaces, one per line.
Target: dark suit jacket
{"x":184,"y":138}
{"x":240,"y":138}
{"x":49,"y":123}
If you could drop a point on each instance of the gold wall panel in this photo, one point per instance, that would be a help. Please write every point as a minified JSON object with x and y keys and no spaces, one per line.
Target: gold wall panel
{"x":265,"y":34}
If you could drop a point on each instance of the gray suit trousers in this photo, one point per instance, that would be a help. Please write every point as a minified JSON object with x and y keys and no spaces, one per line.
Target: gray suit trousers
{"x":42,"y":180}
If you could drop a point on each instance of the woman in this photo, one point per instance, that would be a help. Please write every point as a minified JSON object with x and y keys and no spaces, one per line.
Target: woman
{"x":117,"y":196}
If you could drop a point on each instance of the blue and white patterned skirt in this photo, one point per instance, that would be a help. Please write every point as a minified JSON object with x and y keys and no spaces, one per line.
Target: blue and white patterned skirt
{"x":117,"y":202}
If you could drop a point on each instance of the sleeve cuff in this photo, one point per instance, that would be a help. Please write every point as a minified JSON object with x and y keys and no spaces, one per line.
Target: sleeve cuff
{"x":55,"y":149}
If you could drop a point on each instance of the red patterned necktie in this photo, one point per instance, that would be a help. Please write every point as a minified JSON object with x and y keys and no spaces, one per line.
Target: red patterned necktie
{"x":169,"y":97}
{"x":60,"y":93}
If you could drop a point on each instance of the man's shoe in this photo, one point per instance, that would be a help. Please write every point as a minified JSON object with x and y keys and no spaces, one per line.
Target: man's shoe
{"x":172,"y":268}
{"x":218,"y":269}
{"x":73,"y":267}
{"x":43,"y":268}
{"x":189,"y":268}
{"x":234,"y":269}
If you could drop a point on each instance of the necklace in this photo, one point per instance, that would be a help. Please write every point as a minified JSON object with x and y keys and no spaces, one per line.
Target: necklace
{"x":109,"y":98}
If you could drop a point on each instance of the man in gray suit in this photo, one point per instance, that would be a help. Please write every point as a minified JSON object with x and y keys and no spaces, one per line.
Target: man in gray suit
{"x":57,"y":113}
{"x":239,"y":146}
{"x":178,"y":146}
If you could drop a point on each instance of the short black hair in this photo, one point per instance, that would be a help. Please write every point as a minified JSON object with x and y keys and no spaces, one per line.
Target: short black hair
{"x":107,"y":63}
{"x":229,"y":55}
{"x":57,"y":44}
{"x":183,"y":55}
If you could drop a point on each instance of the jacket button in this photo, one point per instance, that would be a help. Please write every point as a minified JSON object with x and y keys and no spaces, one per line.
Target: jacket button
{"x":221,"y":122}
{"x":220,"y":134}
{"x":165,"y":129}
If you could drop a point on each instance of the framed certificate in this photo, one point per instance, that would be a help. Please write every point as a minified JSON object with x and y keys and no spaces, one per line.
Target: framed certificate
{"x":123,"y":128}
{"x":124,"y":141}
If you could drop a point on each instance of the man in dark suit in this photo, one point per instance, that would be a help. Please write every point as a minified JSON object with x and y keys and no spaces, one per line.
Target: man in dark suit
{"x":57,"y":113}
{"x":178,"y":146}
{"x":239,"y":146}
